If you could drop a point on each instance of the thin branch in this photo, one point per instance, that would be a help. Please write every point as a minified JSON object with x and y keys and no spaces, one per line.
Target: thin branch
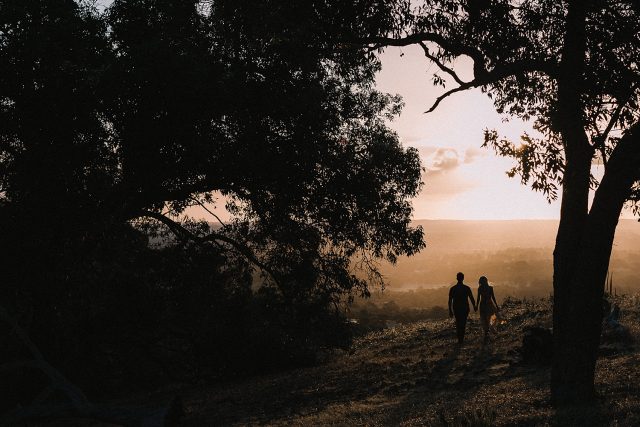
{"x":78,"y":404}
{"x":451,"y":46}
{"x":603,"y":153}
{"x":202,"y":205}
{"x":482,"y":75}
{"x":440,"y":64}
{"x":460,"y":88}
{"x":456,"y":48}
{"x":488,"y":77}
{"x":185,"y":235}
{"x":614,"y":118}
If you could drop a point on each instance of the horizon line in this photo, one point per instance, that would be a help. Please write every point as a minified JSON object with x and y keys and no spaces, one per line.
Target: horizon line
{"x":506,"y":219}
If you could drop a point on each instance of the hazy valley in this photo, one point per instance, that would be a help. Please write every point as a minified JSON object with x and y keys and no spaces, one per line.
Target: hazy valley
{"x":510,"y":253}
{"x":516,"y":256}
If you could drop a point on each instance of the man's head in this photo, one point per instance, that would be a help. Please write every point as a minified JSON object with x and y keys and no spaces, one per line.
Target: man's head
{"x":460,"y":277}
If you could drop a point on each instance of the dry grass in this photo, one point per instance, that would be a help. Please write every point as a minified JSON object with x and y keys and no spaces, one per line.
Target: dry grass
{"x":414,"y":375}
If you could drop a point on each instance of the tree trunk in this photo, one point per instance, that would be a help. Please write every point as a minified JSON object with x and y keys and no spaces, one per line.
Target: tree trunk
{"x":578,"y":314}
{"x":581,"y":260}
{"x":577,"y":323}
{"x":571,"y":378}
{"x":570,"y":382}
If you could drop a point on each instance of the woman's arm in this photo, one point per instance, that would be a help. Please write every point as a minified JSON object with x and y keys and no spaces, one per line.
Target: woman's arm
{"x":493,"y":297}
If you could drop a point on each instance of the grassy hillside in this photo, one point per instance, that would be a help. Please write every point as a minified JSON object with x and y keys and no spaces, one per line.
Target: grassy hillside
{"x":414,"y":375}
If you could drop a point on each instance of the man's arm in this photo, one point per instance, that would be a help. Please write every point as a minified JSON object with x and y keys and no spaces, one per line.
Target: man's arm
{"x":450,"y":299}
{"x":475,"y":307}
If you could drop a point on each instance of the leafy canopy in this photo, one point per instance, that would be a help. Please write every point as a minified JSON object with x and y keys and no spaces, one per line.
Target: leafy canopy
{"x":516,"y":48}
{"x":156,"y":105}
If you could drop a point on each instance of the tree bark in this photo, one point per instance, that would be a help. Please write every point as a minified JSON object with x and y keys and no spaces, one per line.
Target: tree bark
{"x":571,"y":374}
{"x":566,"y":325}
{"x":581,"y":261}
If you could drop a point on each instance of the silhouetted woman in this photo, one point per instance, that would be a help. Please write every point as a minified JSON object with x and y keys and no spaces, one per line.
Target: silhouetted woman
{"x":487,"y":303}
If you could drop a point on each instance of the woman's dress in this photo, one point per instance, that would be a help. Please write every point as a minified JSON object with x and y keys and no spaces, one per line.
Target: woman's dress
{"x":487,"y":307}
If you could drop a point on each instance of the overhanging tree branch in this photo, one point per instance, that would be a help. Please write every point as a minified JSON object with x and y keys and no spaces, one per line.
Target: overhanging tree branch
{"x":462,"y":87}
{"x":482,"y":75}
{"x":58,"y":381}
{"x":203,"y":206}
{"x":439,"y":63}
{"x":455,"y":48}
{"x":493,"y":76}
{"x":185,"y":235}
{"x":449,"y":45}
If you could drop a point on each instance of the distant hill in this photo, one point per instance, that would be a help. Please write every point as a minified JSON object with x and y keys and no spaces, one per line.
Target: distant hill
{"x":515,"y":253}
{"x":462,"y":236}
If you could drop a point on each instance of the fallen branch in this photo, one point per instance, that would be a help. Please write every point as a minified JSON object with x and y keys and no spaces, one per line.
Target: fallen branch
{"x":77,"y":405}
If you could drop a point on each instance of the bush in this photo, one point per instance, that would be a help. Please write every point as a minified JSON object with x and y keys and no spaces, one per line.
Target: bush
{"x":125,"y":316}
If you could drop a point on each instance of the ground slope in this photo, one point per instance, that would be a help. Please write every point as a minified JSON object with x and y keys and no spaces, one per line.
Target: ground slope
{"x":414,"y":375}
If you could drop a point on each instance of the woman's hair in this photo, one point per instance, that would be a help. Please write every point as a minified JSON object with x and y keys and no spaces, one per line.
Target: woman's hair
{"x":483,"y":281}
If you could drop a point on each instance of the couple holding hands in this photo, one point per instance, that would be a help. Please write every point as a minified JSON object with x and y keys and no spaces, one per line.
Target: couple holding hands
{"x":459,"y":296}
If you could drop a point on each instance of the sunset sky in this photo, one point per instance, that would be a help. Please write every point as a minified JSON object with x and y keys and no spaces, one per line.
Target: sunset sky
{"x":462,"y":180}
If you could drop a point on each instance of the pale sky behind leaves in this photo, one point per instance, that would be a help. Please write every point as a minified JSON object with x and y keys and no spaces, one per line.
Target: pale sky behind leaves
{"x":462,"y":180}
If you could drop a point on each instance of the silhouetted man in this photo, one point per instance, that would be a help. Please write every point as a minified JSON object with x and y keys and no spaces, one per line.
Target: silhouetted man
{"x":459,"y":296}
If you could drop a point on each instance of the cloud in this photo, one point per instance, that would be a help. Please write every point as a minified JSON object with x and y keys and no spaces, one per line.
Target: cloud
{"x":439,"y":160}
{"x":442,"y":161}
{"x":441,"y":177}
{"x":446,"y":171}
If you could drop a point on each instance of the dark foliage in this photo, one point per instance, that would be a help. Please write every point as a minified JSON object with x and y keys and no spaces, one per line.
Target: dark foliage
{"x":112,"y":124}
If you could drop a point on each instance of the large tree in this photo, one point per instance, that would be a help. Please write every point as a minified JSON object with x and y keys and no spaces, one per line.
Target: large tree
{"x":138,"y":112}
{"x":571,"y":67}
